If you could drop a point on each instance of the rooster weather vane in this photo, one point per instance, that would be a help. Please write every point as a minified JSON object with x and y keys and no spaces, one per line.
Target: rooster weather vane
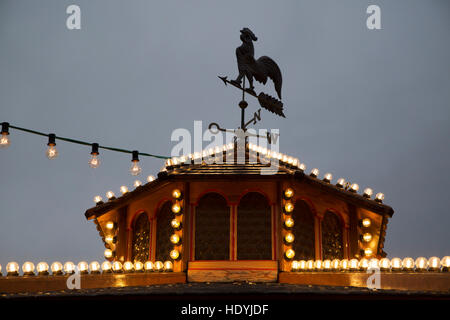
{"x":260,"y":70}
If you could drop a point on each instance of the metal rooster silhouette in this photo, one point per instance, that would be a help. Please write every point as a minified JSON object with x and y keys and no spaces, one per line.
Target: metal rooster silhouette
{"x":259,"y":69}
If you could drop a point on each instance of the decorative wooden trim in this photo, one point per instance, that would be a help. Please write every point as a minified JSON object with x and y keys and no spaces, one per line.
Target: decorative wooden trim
{"x":89,"y":281}
{"x":413,"y":281}
{"x":230,"y":271}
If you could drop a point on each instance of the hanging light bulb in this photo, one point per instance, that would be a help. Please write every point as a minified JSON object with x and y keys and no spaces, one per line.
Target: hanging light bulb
{"x":135,"y":168}
{"x":94,"y":162}
{"x":51,"y":152}
{"x":137,"y":183}
{"x":4,"y":139}
{"x":150,"y":178}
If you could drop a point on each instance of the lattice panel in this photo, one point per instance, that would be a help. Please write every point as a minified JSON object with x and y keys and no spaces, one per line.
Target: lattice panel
{"x":303,"y":230}
{"x":141,"y":238}
{"x":212,"y":228}
{"x":332,"y":239}
{"x":163,"y":232}
{"x":254,"y":228}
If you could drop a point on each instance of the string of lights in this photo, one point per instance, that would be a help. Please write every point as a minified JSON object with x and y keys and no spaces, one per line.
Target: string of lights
{"x":94,"y":161}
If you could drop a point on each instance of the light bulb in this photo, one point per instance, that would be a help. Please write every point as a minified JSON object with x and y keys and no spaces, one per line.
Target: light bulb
{"x":106,"y":267}
{"x":12,"y":269}
{"x":289,"y":254}
{"x":124,"y":189}
{"x":344,"y":265}
{"x":385,"y":264}
{"x":168,"y":266}
{"x":368,"y":193}
{"x":353,"y":264}
{"x":328,"y":177}
{"x":138,"y":266}
{"x":289,"y":223}
{"x":150,"y":178}
{"x":4,"y":140}
{"x":98,"y":199}
{"x":318,"y":265}
{"x":176,"y":208}
{"x":108,"y":253}
{"x":69,"y":267}
{"x":367,"y":237}
{"x":363,"y":264}
{"x":407,"y":263}
{"x":175,"y":224}
{"x":341,"y":182}
{"x":314,"y":172}
{"x":148,"y":266}
{"x":135,"y":168}
{"x":83,"y":267}
{"x":310,"y":265}
{"x":117,"y":267}
{"x":128,"y":266}
{"x":110,"y":225}
{"x":94,"y":267}
{"x":51,"y":152}
{"x":110,"y":195}
{"x":137,"y":183}
{"x":176,"y":194}
{"x":289,"y":238}
{"x":56,"y":268}
{"x":28,"y":268}
{"x":174,"y":238}
{"x":354,"y":187}
{"x":288,"y":193}
{"x":379,"y":197}
{"x":445,"y":263}
{"x":94,"y":162}
{"x":396,"y":264}
{"x":327,"y":265}
{"x":368,"y":252}
{"x":366,"y":222}
{"x":288,"y":208}
{"x":295,"y":265}
{"x":434,"y":264}
{"x":335,"y":265}
{"x":42,"y":269}
{"x":174,"y":254}
{"x":158,"y":266}
{"x":421,"y":264}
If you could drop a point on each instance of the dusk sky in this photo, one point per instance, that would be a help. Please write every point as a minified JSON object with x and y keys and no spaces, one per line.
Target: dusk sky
{"x":372,"y":106}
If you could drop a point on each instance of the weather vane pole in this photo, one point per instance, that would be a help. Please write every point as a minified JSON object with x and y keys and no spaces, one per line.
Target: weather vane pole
{"x":260,"y":70}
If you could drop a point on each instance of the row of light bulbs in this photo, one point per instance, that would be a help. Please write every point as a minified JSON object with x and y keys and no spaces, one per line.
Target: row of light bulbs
{"x":110,"y":195}
{"x":175,"y":239}
{"x":52,"y":152}
{"x":421,"y":264}
{"x":285,"y":159}
{"x":57,"y":268}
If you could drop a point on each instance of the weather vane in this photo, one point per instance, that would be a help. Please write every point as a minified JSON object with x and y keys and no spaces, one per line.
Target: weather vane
{"x":260,"y":70}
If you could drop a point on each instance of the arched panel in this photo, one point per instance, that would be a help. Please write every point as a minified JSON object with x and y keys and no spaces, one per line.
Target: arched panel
{"x":163,"y":232}
{"x":141,"y":238}
{"x":332,"y":237}
{"x":212,"y":228}
{"x":303,"y":231}
{"x":254,"y":228}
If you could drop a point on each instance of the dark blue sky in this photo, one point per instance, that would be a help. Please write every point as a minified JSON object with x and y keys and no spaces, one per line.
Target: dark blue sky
{"x":369,"y":106}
